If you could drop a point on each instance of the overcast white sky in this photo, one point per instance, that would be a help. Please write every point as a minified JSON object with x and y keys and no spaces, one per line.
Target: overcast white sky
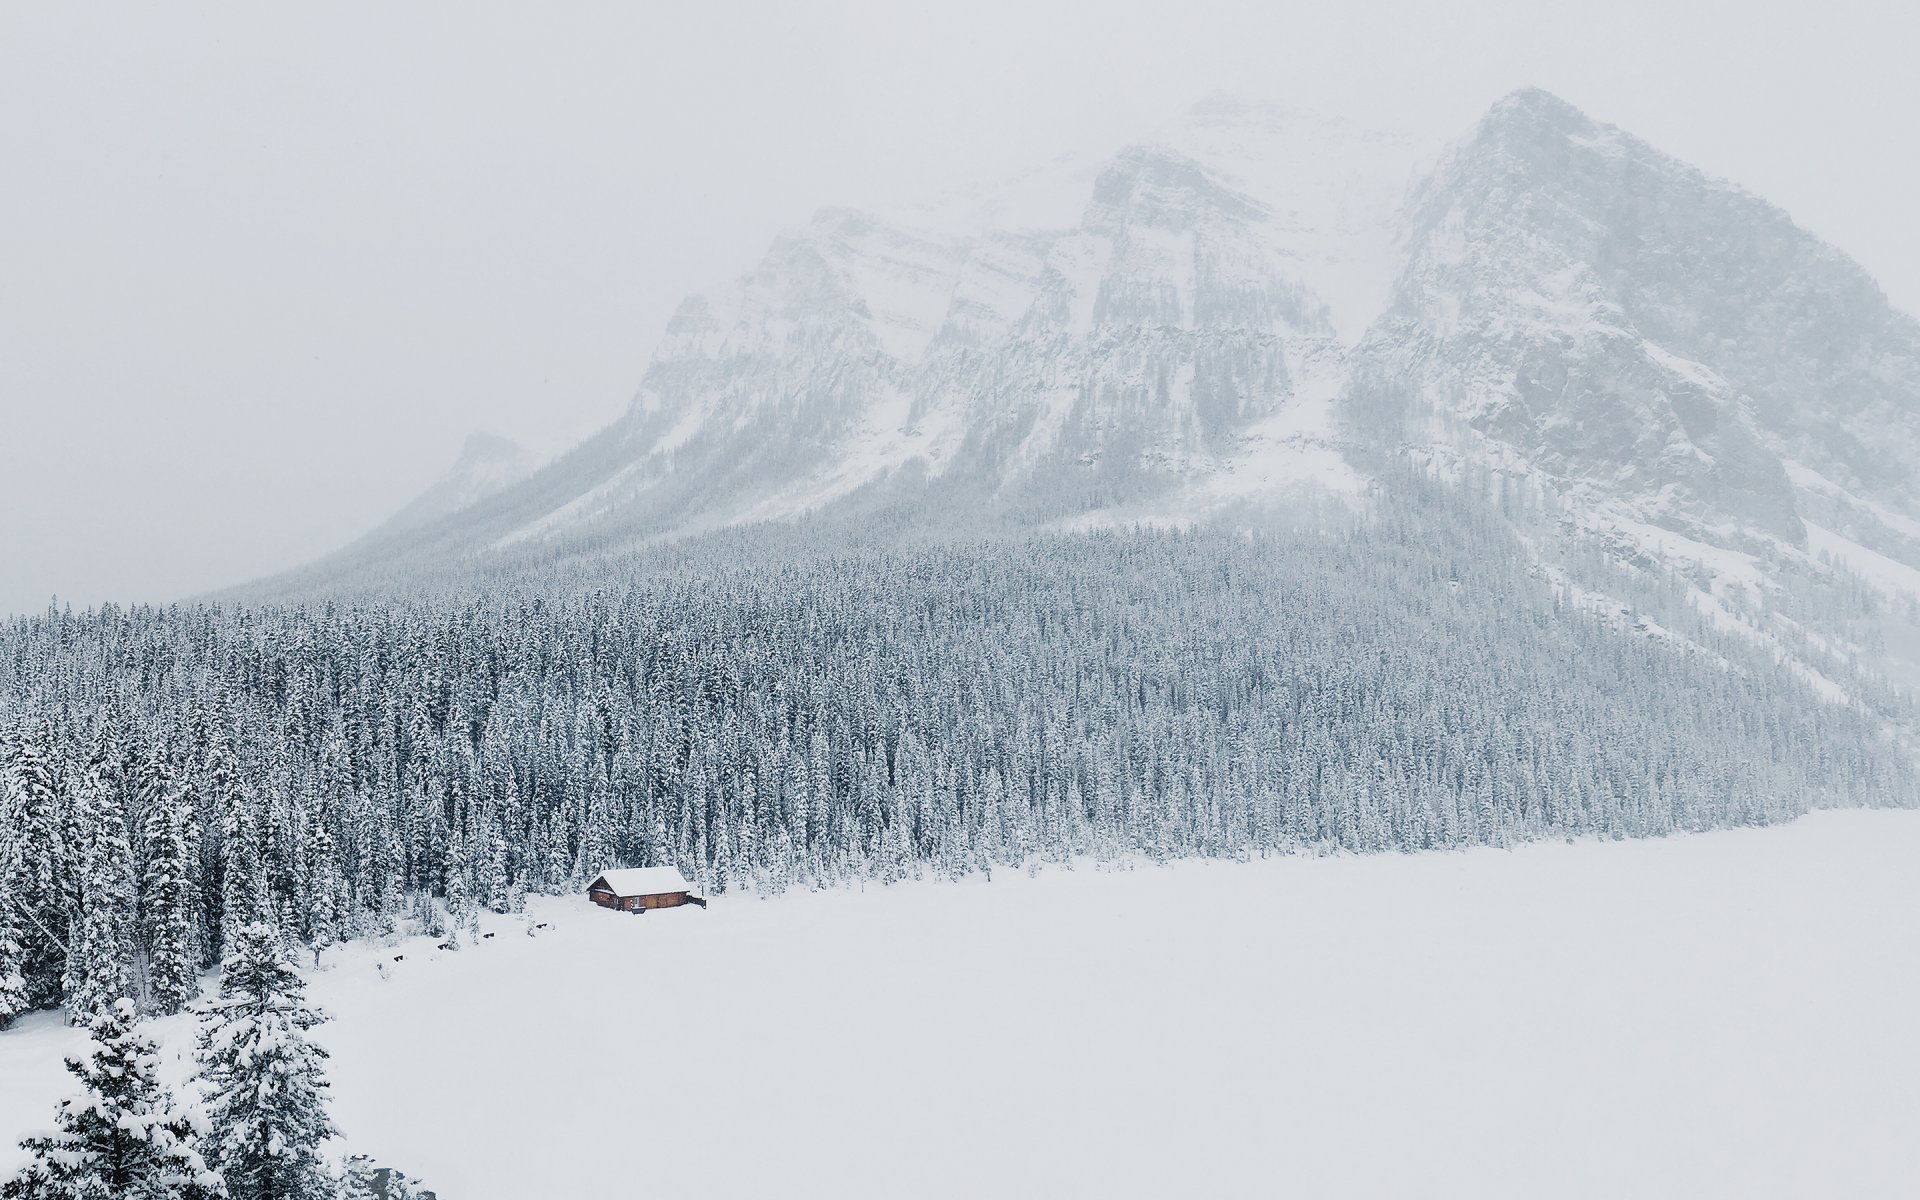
{"x":262,"y":271}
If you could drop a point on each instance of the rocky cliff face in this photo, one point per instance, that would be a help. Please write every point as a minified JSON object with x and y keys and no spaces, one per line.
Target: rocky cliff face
{"x":1683,"y":374}
{"x":1632,"y":329}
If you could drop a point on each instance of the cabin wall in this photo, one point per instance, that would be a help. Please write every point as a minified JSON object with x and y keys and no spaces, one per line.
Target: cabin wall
{"x":638,"y":903}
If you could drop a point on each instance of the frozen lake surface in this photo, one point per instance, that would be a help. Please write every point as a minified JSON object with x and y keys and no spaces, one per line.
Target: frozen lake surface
{"x":1728,"y":1014}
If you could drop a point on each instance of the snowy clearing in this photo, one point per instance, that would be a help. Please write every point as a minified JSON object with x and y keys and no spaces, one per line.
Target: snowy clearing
{"x":1727,"y":1014}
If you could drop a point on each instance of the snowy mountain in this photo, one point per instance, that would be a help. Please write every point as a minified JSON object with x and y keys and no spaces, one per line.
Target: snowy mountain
{"x":1259,"y":311}
{"x":1090,"y":332}
{"x":1614,"y":315}
{"x":1684,"y":374}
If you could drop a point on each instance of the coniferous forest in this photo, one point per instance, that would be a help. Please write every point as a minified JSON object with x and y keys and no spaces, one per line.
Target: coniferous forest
{"x":770,"y":713}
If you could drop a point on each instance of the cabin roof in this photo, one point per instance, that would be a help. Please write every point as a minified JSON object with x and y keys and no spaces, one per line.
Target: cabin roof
{"x":642,"y":881}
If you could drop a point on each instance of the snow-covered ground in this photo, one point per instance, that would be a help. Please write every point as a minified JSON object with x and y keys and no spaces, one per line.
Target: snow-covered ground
{"x":1730,"y":1014}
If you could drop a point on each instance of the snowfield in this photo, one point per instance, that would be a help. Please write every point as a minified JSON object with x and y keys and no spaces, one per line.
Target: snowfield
{"x":1728,"y":1014}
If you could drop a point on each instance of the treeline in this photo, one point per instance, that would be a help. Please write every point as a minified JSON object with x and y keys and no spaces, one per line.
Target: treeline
{"x":807,"y":718}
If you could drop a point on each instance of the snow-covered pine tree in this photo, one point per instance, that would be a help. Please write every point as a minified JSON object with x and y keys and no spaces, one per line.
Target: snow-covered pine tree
{"x":366,"y":1181}
{"x":490,"y":881}
{"x":507,"y":894}
{"x":461,"y":917}
{"x":124,"y":1137}
{"x":100,"y":965}
{"x":323,"y":916}
{"x":36,"y":863}
{"x":169,"y":891}
{"x":243,"y":892}
{"x":13,"y":957}
{"x":559,"y":868}
{"x":265,"y":1078}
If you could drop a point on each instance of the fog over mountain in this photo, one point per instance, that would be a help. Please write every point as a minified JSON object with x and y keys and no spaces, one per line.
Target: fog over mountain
{"x":487,"y":464}
{"x":296,"y":257}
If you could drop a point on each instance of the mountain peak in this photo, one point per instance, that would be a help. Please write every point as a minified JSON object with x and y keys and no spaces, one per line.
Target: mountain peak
{"x":1537,"y":104}
{"x":482,"y":446}
{"x":488,"y":463}
{"x":1535,"y":116}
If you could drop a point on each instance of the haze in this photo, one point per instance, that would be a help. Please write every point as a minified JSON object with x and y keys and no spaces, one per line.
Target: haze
{"x":262,"y":271}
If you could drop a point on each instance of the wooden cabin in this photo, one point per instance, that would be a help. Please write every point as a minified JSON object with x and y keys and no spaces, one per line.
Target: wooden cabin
{"x":637,"y":889}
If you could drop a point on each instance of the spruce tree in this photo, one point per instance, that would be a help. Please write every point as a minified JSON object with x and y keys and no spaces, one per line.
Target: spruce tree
{"x":124,"y":1137}
{"x":13,"y":958}
{"x":36,"y":864}
{"x":243,"y":893}
{"x":461,"y":917}
{"x":323,"y":915}
{"x":366,"y":1181}
{"x":492,"y":885}
{"x":100,"y":963}
{"x":168,"y":890}
{"x":267,"y":1089}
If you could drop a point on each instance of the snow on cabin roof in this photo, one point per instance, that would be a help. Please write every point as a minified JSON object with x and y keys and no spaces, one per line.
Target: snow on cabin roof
{"x":644,"y":881}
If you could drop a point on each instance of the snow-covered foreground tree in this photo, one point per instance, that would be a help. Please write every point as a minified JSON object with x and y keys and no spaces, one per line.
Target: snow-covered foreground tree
{"x":264,"y":1075}
{"x":123,"y":1137}
{"x":365,"y":1180}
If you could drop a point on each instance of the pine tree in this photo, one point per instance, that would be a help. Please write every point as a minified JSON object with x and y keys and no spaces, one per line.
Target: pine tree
{"x":461,"y":916}
{"x":491,"y":881}
{"x":100,"y":965}
{"x":124,"y":1137}
{"x":366,"y":1181}
{"x":267,"y":1089}
{"x":243,"y":892}
{"x":36,"y":864}
{"x":14,"y":999}
{"x":168,"y":892}
{"x":323,"y":917}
